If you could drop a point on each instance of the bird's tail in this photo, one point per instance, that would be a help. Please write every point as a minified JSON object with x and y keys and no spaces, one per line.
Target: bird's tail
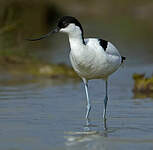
{"x":122,"y":59}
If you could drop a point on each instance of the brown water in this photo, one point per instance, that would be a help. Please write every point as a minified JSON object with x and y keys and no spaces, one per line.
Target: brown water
{"x":46,"y":114}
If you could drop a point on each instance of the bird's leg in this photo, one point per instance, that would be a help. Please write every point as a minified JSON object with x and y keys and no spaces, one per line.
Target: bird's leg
{"x":87,"y":95}
{"x":105,"y":104}
{"x":105,"y":124}
{"x":87,"y":126}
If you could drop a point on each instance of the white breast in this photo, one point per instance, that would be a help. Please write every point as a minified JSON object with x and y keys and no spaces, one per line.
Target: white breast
{"x":91,"y":61}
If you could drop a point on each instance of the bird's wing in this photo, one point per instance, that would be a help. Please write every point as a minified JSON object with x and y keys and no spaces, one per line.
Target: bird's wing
{"x":108,"y":47}
{"x":105,"y":46}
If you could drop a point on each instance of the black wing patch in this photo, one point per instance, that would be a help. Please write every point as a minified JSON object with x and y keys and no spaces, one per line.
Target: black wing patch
{"x":103,"y":43}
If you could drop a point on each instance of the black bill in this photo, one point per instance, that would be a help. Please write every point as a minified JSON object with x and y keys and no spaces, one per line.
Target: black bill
{"x":45,"y":36}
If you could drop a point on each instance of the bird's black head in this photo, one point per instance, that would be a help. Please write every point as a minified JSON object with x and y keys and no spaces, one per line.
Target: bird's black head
{"x":71,"y":26}
{"x":66,"y":20}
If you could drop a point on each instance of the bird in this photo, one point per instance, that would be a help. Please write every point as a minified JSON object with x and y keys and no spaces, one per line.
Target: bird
{"x":91,"y":58}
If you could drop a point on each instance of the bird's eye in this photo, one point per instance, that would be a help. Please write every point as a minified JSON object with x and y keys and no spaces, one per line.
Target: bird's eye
{"x":62,"y":24}
{"x":65,"y":24}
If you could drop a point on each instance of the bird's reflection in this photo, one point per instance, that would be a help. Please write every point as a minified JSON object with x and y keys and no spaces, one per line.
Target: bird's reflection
{"x":90,"y":132}
{"x":88,"y":125}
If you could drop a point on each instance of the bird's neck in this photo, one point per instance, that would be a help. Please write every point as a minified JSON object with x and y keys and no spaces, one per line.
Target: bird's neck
{"x":76,"y":41}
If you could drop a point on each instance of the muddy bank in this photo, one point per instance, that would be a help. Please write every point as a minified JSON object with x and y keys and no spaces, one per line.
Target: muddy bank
{"x":36,"y":69}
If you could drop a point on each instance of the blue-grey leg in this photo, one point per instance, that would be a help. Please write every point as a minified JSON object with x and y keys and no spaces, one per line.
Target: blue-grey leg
{"x":105,"y":124}
{"x":105,"y":103}
{"x":87,"y":95}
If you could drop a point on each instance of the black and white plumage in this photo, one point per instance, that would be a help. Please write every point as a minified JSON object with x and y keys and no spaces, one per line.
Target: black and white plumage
{"x":91,"y":58}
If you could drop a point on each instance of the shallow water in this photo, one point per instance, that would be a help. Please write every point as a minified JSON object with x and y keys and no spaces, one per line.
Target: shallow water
{"x":45,"y":114}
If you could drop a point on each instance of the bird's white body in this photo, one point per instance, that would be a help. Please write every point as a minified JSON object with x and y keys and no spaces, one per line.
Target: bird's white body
{"x":90,"y":60}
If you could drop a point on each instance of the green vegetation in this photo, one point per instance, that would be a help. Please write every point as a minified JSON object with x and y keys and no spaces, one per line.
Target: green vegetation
{"x":143,"y":86}
{"x":20,"y":19}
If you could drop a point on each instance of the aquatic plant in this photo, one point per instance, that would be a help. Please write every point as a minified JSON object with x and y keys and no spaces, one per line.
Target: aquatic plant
{"x":143,"y":86}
